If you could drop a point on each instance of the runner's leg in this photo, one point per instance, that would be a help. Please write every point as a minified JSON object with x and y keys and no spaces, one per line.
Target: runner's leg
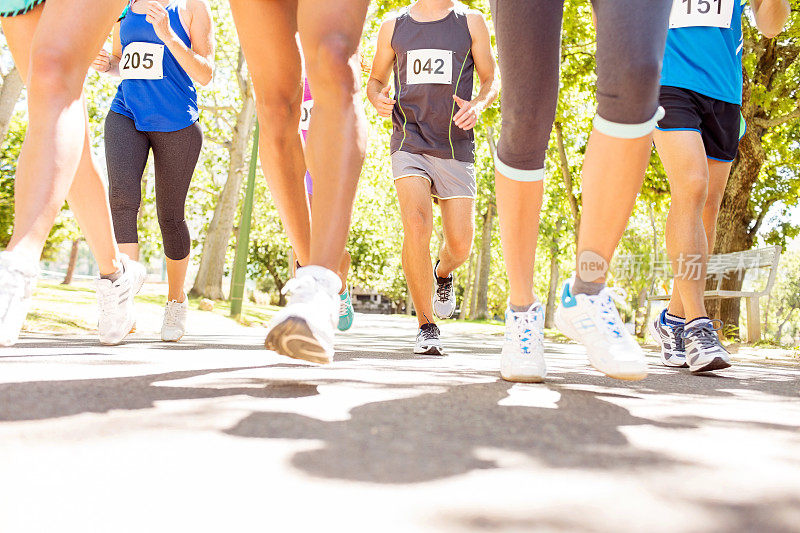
{"x":631,"y":35}
{"x":458,"y":225}
{"x":175,"y":156}
{"x":54,"y":142}
{"x":718,"y":173}
{"x":87,"y":195}
{"x":330,"y":33}
{"x":127,"y":150}
{"x":416,"y":211}
{"x":528,"y":41}
{"x":684,"y":158}
{"x":267,"y":32}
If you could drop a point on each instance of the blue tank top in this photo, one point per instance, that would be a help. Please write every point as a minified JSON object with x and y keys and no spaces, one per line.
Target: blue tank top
{"x":706,"y":59}
{"x":166,"y":104}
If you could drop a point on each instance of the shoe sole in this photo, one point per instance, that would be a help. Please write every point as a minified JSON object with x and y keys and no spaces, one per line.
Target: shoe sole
{"x":294,"y":338}
{"x":433,"y":350}
{"x":718,"y":363}
{"x":522,"y":379}
{"x":569,"y":332}
{"x":651,"y":329}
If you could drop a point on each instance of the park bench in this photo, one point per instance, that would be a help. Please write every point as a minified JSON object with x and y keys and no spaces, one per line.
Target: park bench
{"x":758,"y":269}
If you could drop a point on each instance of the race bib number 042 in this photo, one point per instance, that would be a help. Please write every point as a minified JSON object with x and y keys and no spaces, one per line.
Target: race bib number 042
{"x":429,"y":65}
{"x":142,"y":61}
{"x":713,"y":13}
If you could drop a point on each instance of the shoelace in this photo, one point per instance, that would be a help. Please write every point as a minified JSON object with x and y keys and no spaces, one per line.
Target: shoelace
{"x":108,"y":299}
{"x":443,"y":289}
{"x":608,"y":311}
{"x":705,"y":335}
{"x":528,"y":331}
{"x":680,"y":344}
{"x":342,"y":307}
{"x":429,"y":333}
{"x":172,"y":313}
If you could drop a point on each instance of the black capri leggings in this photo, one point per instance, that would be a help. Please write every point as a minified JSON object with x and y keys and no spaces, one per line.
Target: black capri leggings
{"x":631,"y":35}
{"x":175,"y":155}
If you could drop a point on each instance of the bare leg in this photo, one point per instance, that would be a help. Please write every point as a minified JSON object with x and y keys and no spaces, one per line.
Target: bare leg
{"x":684,"y":158}
{"x":330,"y":33}
{"x":718,"y":173}
{"x":131,"y":249}
{"x":87,"y":195}
{"x":267,"y":32}
{"x":414,"y":195}
{"x":458,"y":223}
{"x":613,"y":171}
{"x":519,"y":204}
{"x":176,"y":277}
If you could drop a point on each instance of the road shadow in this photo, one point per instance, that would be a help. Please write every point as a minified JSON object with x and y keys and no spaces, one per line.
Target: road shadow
{"x":39,"y":400}
{"x":437,"y":435}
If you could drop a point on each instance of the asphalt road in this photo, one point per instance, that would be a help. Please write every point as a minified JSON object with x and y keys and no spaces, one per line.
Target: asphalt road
{"x":217,"y":434}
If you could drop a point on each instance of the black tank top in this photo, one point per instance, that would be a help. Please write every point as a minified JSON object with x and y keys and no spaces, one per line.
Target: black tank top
{"x":433,"y":61}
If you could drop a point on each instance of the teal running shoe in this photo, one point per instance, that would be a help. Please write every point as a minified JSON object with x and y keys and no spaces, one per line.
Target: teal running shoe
{"x":346,"y":313}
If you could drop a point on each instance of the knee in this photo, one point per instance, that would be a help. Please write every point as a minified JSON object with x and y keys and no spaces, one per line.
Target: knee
{"x":418,"y":224}
{"x":279,"y":112}
{"x":629,"y":95}
{"x":332,"y":65}
{"x":53,"y":74}
{"x":692,"y":192}
{"x":122,"y":203}
{"x":459,"y":248}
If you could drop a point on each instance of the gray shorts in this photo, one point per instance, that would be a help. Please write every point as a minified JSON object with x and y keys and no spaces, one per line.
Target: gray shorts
{"x":449,"y":178}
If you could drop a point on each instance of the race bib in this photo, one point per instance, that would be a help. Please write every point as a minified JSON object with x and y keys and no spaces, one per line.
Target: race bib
{"x":305,"y":114}
{"x":142,"y":61}
{"x":429,"y":65}
{"x":713,"y":13}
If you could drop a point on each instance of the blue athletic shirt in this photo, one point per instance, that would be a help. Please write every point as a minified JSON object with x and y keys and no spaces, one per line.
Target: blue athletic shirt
{"x":707,"y":60}
{"x":167,"y":104}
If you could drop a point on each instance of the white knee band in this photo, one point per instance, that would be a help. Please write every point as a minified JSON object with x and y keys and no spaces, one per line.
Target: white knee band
{"x":628,"y":131}
{"x":516,"y":174}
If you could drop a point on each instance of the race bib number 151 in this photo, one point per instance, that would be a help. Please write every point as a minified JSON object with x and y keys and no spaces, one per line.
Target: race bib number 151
{"x":713,"y":13}
{"x":142,"y":61}
{"x":429,"y":65}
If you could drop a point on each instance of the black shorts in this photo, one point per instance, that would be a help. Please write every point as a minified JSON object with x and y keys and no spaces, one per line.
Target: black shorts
{"x":719,"y":123}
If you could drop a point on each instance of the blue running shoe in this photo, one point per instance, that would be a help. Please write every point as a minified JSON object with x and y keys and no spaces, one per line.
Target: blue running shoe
{"x":346,"y":313}
{"x":670,"y":340}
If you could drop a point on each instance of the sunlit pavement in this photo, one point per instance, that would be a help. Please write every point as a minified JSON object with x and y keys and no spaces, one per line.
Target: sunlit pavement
{"x":217,"y":434}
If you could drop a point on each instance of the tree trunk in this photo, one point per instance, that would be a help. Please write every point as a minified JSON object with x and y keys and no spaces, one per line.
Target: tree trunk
{"x":566,"y":175}
{"x":552,"y":289}
{"x":555,"y":273}
{"x":208,"y":282}
{"x":482,"y":281}
{"x":73,"y":260}
{"x":9,"y":95}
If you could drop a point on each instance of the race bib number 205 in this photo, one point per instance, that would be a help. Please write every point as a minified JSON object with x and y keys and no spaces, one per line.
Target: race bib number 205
{"x":429,"y":65}
{"x":142,"y":61}
{"x":713,"y":13}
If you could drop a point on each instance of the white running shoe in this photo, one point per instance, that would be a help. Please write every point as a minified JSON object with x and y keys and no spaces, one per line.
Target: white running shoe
{"x":595,"y":322}
{"x":444,"y":297}
{"x":522,"y":357}
{"x":670,"y":339}
{"x":17,"y":279}
{"x":174,"y":326}
{"x":304,"y":329}
{"x":116,"y":301}
{"x":428,"y":341}
{"x":704,"y":351}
